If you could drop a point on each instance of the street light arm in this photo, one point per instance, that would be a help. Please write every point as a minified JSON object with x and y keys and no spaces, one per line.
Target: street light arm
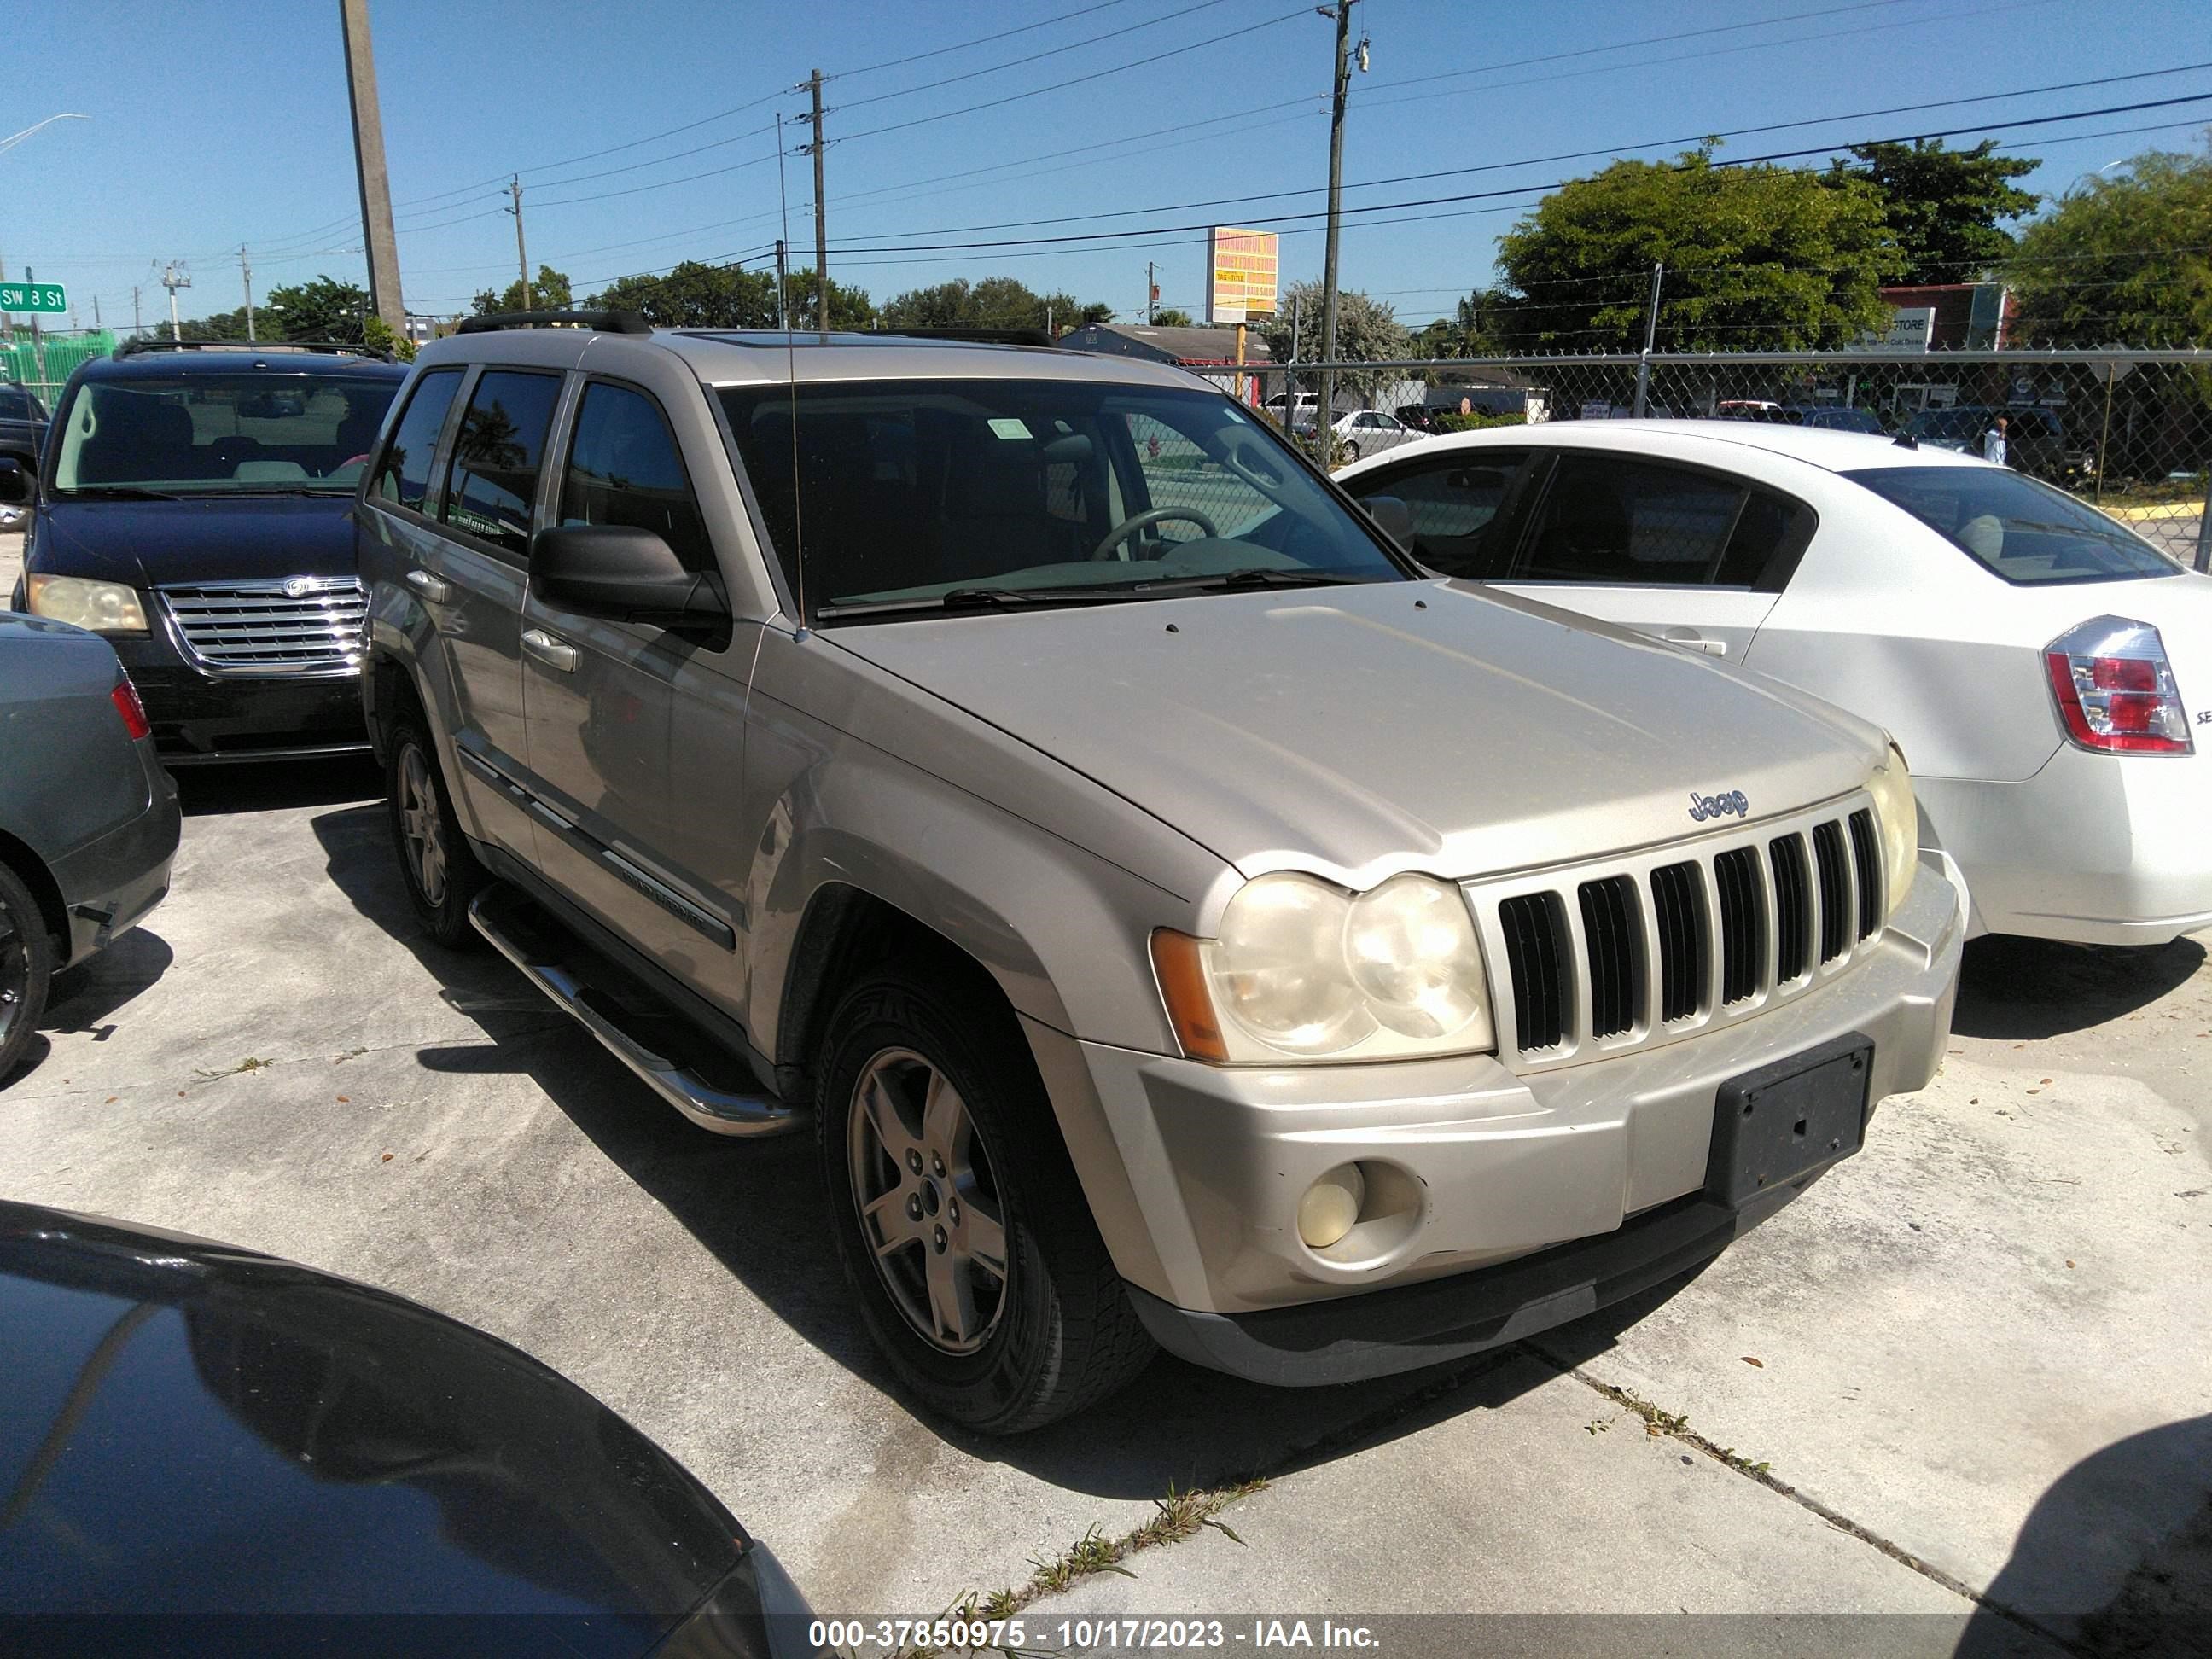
{"x":9,"y":142}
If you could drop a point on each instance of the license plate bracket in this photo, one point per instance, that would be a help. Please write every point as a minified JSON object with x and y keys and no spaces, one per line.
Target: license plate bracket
{"x":1775,"y":1126}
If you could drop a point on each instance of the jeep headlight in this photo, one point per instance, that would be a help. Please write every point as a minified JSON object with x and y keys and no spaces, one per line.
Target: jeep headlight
{"x":1300,"y":970}
{"x":1899,"y":818}
{"x":103,"y":607}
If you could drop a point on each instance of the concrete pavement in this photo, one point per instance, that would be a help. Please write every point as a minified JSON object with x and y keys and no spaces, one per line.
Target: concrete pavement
{"x":1985,"y":1361}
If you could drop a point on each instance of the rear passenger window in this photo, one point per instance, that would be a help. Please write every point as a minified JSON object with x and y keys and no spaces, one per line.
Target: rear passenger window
{"x":623,"y":468}
{"x":1454,"y":502}
{"x":1611,"y":522}
{"x":403,"y":476}
{"x":496,"y":457}
{"x":1767,"y":525}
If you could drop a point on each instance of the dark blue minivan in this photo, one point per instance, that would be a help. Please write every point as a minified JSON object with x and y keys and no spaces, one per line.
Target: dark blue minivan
{"x":193,"y":505}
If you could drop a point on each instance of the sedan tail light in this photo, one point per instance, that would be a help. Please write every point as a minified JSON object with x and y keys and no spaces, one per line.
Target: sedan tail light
{"x":2115,"y":690}
{"x":124,"y":696}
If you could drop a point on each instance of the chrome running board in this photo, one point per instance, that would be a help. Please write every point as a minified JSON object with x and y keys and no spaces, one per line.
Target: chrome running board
{"x":563,"y":967}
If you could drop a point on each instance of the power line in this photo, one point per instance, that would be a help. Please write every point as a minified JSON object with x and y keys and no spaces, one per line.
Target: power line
{"x":979,"y":40}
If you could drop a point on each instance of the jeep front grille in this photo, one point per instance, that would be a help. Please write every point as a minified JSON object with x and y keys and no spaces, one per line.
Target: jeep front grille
{"x":267,"y":627}
{"x":1643,"y":950}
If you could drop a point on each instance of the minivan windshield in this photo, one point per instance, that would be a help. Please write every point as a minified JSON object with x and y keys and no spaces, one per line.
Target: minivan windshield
{"x":2017,"y":528}
{"x":214,"y":434}
{"x":916,"y":496}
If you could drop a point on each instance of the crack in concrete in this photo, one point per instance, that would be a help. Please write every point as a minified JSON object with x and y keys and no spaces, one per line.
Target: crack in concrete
{"x":1673,"y":1427}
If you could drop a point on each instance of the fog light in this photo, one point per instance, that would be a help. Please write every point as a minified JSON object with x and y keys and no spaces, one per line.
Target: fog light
{"x":1330,"y":1206}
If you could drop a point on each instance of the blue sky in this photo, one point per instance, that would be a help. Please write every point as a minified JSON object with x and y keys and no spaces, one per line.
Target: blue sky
{"x":216,"y":124}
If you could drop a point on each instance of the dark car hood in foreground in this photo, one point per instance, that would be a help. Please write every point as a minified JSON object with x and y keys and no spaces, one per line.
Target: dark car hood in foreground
{"x":1386,"y":725}
{"x":234,"y":539}
{"x":194,"y":1429}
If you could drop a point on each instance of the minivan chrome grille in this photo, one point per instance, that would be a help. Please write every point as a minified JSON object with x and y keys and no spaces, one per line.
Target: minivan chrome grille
{"x":306,"y":625}
{"x":1626,"y":953}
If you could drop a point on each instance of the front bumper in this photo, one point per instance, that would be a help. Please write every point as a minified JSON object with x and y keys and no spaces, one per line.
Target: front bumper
{"x":1502,"y":1167}
{"x":199,"y":719}
{"x":2100,"y":849}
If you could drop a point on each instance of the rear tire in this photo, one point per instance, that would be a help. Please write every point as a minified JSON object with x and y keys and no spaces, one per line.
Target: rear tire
{"x":441,"y":872}
{"x":954,"y":1208}
{"x":27,"y":960}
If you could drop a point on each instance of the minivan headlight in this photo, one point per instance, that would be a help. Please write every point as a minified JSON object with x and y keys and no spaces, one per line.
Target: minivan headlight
{"x":103,"y":607}
{"x":1300,"y":970}
{"x":1899,"y":815}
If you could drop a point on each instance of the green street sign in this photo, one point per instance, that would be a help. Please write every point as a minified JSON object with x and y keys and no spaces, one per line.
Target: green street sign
{"x":33,"y":296}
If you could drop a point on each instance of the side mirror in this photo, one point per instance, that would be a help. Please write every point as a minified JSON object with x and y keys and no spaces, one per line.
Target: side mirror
{"x":622,"y":573}
{"x":16,"y":484}
{"x":1393,"y":518}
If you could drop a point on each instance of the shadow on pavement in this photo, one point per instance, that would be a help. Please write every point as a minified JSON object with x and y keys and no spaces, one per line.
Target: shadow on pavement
{"x":267,"y":786}
{"x":2116,"y":1558}
{"x":2022,"y":989}
{"x":756,"y":1205}
{"x":82,"y":999}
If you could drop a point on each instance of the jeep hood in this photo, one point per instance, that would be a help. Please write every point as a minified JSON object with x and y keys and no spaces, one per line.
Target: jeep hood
{"x":234,"y":539}
{"x":1356,"y":731}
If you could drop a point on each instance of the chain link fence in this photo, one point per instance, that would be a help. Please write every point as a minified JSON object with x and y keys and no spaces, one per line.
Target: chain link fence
{"x":2129,"y":431}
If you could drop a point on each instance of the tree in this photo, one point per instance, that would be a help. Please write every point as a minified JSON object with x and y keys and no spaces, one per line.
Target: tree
{"x":849,"y":307}
{"x":2121,"y":262}
{"x":549,"y":293}
{"x":325,"y":309}
{"x":695,"y":295}
{"x":1169,"y":317}
{"x":219,"y":325}
{"x":1757,"y":258}
{"x":1366,"y":330}
{"x":1465,"y":333}
{"x":1943,"y":205}
{"x":993,"y":302}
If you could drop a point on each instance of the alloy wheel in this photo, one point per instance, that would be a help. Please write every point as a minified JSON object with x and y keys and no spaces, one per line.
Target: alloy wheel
{"x":422,"y":826}
{"x":928,"y":1201}
{"x":14,"y":969}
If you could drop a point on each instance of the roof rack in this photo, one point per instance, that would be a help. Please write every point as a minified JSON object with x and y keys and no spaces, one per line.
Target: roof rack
{"x":1028,"y":337}
{"x":140,"y":344}
{"x":602,"y":322}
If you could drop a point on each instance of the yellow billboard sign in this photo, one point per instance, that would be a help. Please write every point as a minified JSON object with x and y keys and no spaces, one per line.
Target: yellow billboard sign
{"x":1240,"y":274}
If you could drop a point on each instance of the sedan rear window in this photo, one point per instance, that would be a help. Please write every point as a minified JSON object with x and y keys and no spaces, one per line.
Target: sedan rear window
{"x":2016,"y":528}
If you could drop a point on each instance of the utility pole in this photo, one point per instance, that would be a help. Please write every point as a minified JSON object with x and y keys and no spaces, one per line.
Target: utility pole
{"x":173,"y":279}
{"x":97,"y":327}
{"x":376,"y":231}
{"x":137,"y":323}
{"x":521,"y":253}
{"x":245,"y":270}
{"x":1651,"y":337}
{"x":39,"y":351}
{"x":1151,"y":293}
{"x":782,"y":321}
{"x":1324,"y":415}
{"x":820,"y":211}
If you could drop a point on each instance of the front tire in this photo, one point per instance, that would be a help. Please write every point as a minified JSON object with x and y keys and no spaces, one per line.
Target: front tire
{"x":441,"y":872}
{"x":26,"y":968}
{"x":963,"y":1229}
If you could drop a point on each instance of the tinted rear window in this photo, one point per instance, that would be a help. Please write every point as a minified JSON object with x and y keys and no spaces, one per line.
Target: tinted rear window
{"x":2016,"y":528}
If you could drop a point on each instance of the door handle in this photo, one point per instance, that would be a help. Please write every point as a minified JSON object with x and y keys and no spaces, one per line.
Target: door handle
{"x":554,"y":654}
{"x":1695,"y":640}
{"x":429,"y":586}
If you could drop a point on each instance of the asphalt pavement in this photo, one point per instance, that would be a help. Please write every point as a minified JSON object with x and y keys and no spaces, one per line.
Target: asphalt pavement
{"x":1965,"y":1382}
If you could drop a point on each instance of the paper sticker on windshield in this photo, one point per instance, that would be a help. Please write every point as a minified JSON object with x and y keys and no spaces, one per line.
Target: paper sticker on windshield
{"x":1008,"y":426}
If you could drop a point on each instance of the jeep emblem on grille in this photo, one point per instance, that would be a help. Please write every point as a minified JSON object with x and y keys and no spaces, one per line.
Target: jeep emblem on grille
{"x":1729,"y":803}
{"x":298,"y":587}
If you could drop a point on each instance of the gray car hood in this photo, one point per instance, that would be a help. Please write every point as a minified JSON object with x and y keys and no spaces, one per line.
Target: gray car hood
{"x":1362,"y":730}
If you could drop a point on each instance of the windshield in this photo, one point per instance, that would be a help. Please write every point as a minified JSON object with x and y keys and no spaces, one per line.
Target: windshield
{"x":2020,"y":529}
{"x":214,"y":434}
{"x":925,"y":495}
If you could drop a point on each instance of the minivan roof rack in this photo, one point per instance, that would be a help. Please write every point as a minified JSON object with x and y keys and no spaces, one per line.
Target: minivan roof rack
{"x":1027,"y":336}
{"x":134,"y":347}
{"x":602,"y":322}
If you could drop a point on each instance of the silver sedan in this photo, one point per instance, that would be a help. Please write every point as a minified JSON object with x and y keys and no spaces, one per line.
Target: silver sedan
{"x":2047,"y":672}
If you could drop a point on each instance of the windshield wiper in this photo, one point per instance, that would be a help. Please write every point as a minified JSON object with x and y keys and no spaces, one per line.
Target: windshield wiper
{"x":1253,"y":576}
{"x":121,"y":493}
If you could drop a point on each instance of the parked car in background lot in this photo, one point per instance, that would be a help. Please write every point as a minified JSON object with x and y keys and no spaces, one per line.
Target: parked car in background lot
{"x":193,"y":506}
{"x":22,"y":424}
{"x":1834,"y":417}
{"x":2035,"y":442}
{"x":245,"y":1455}
{"x":1185,"y":921}
{"x":2047,"y":672}
{"x":88,"y":820}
